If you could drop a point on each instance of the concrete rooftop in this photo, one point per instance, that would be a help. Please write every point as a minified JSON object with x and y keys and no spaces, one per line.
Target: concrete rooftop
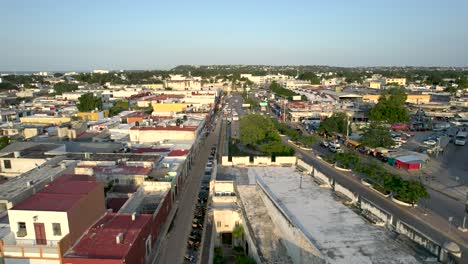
{"x":340,"y":234}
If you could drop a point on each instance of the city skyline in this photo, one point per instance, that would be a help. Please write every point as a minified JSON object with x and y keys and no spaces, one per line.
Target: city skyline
{"x":52,"y":36}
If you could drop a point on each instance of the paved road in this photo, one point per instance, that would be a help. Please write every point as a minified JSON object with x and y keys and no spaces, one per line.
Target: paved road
{"x":173,"y":247}
{"x":431,"y":224}
{"x":237,"y":106}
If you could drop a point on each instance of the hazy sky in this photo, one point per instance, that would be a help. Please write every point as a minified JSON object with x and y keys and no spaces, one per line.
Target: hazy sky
{"x":84,"y":35}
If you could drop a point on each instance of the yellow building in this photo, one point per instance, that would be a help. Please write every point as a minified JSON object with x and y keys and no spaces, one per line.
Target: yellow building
{"x":375,"y":85}
{"x":168,"y":107}
{"x":93,"y":116}
{"x":412,"y":98}
{"x":399,"y":81}
{"x":39,"y":119}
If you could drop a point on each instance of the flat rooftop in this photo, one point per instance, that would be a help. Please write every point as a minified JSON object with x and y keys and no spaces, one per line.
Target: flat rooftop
{"x":119,"y":169}
{"x":14,"y":189}
{"x":29,"y":150}
{"x":340,"y":234}
{"x":100,"y":240}
{"x":113,"y":156}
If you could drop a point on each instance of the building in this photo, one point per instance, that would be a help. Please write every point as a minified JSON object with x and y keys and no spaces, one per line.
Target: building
{"x":21,"y":160}
{"x":155,"y":86}
{"x":117,"y":174}
{"x":226,"y":212}
{"x":46,"y":224}
{"x":16,"y":189}
{"x":412,"y":98}
{"x":100,"y":71}
{"x":261,"y":80}
{"x":375,"y":85}
{"x":296,"y":84}
{"x":45,"y":119}
{"x":93,"y":115}
{"x":154,"y":134}
{"x":293,"y":220}
{"x":168,"y":109}
{"x":399,"y":81}
{"x":115,"y":238}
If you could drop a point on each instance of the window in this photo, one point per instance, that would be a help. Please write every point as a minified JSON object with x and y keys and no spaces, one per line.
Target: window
{"x":56,"y":228}
{"x":237,"y":223}
{"x":7,"y":164}
{"x":218,"y":224}
{"x":21,"y":230}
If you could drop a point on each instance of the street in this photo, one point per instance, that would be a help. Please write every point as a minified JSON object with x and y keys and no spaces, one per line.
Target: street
{"x":173,"y":248}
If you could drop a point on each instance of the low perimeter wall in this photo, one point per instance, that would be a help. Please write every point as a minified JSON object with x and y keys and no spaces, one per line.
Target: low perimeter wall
{"x":258,"y":161}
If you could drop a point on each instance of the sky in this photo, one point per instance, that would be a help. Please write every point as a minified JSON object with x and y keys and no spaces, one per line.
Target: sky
{"x":83,"y":35}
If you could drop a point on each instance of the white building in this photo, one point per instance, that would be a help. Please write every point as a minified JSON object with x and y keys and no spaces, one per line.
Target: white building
{"x":100,"y":71}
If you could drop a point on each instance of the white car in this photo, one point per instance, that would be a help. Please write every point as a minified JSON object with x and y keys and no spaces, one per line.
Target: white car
{"x":335,"y":149}
{"x":430,"y":142}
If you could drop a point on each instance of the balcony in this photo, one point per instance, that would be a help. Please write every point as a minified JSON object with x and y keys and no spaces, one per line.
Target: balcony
{"x":11,"y":248}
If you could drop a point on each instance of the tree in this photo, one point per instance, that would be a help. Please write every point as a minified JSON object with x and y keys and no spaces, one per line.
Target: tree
{"x":310,"y":76}
{"x":336,"y":123}
{"x":63,"y":87}
{"x":254,"y":129}
{"x":88,"y":102}
{"x":4,"y":141}
{"x":391,"y":106}
{"x":281,"y":91}
{"x":118,"y":107}
{"x":377,"y":135}
{"x":276,"y":148}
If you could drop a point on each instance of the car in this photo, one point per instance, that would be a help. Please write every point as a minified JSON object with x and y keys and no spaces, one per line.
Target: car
{"x":430,"y":141}
{"x":325,"y":144}
{"x":335,"y":149}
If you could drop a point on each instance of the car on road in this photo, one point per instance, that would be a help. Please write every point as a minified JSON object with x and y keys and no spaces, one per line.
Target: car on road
{"x":335,"y":147}
{"x":431,"y":141}
{"x":325,"y":144}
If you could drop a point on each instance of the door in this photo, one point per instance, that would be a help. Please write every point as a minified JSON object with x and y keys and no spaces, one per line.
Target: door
{"x":39,"y":229}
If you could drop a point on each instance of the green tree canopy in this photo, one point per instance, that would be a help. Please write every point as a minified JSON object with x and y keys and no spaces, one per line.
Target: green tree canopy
{"x":63,"y":87}
{"x":4,"y":141}
{"x":118,"y":107}
{"x":391,"y":107}
{"x":310,"y":76}
{"x":377,"y":135}
{"x":89,"y":102}
{"x":281,"y":91}
{"x":336,"y":123}
{"x":255,"y":129}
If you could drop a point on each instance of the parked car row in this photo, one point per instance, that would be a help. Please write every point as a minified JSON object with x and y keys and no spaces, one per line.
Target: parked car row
{"x":198,"y":221}
{"x":333,"y":146}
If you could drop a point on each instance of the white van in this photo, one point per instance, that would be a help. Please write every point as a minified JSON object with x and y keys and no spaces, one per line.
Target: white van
{"x":460,"y":138}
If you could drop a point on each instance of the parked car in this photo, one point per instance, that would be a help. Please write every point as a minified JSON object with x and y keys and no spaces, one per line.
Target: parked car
{"x":325,"y":144}
{"x":430,"y":141}
{"x":335,"y":148}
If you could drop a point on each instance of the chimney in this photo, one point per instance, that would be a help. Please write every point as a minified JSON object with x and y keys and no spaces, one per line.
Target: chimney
{"x":119,"y":238}
{"x":134,"y":215}
{"x":17,"y":154}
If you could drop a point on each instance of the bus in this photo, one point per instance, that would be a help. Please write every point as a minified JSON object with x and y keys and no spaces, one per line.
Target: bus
{"x":460,"y":138}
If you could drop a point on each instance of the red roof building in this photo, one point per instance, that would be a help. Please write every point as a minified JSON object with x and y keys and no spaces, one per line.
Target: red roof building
{"x":114,"y":239}
{"x":54,"y":218}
